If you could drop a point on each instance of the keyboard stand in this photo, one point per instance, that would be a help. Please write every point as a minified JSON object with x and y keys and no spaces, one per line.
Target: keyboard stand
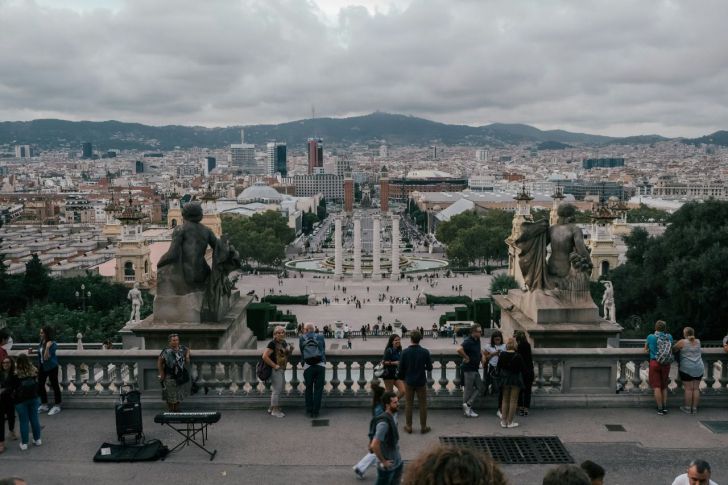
{"x":189,"y":432}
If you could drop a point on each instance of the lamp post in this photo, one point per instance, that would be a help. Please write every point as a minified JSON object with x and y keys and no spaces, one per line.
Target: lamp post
{"x":83,"y":295}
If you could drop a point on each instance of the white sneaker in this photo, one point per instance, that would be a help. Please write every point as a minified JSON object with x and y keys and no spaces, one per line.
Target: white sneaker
{"x":54,"y":410}
{"x":503,"y":425}
{"x":37,"y":442}
{"x":277,"y":414}
{"x":472,"y":413}
{"x":513,"y":425}
{"x":499,"y":414}
{"x":23,"y":446}
{"x":466,"y":409}
{"x":43,"y":408}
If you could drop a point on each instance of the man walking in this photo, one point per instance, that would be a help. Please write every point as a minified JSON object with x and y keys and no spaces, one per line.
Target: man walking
{"x":413,"y":367}
{"x":385,"y":443}
{"x":313,"y":359}
{"x":698,"y":474}
{"x":659,"y":345}
{"x":472,"y":356}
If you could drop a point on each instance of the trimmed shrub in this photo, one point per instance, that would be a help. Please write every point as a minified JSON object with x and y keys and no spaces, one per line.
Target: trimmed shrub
{"x":447,"y":300}
{"x":286,"y":299}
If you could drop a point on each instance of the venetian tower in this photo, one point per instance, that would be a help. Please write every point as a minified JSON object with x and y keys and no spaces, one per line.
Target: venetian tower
{"x":604,"y":254}
{"x":112,"y":226}
{"x":132,"y":253}
{"x":174,"y":214}
{"x":210,"y":216}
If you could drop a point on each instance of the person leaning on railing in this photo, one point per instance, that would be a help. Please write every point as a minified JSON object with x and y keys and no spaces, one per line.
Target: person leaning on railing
{"x":276,"y":356}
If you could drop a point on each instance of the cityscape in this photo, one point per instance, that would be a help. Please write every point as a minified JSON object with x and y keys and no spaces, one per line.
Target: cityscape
{"x":241,"y":184}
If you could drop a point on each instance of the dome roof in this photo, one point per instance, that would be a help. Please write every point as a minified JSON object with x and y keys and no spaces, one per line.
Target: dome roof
{"x":259,"y":192}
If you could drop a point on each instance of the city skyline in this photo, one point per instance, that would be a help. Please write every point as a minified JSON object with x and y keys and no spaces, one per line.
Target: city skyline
{"x":619,"y":69}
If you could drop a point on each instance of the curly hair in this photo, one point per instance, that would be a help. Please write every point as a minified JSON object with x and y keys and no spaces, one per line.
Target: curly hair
{"x":448,"y":465}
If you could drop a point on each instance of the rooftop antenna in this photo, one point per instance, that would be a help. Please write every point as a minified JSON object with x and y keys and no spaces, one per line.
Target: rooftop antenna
{"x":313,"y":120}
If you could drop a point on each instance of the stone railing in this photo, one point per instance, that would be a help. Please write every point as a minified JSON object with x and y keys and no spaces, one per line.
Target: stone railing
{"x":226,"y":379}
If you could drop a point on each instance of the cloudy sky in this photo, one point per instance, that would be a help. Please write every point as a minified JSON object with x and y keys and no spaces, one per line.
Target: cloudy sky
{"x":601,"y":66}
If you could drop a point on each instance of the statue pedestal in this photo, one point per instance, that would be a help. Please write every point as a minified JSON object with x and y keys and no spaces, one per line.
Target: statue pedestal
{"x":549,"y":323}
{"x":231,"y":332}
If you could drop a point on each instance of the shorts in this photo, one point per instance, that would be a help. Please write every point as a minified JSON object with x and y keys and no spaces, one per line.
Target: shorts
{"x":659,"y":375}
{"x":686,"y":378}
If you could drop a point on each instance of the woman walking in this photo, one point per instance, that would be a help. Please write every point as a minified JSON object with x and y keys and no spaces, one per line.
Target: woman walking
{"x":392,"y":354}
{"x":173,"y":374}
{"x":377,"y":408}
{"x":48,"y":370}
{"x":690,"y":369}
{"x":523,"y":348}
{"x":276,"y":356}
{"x":7,"y":406}
{"x":24,"y":385}
{"x":510,"y":369}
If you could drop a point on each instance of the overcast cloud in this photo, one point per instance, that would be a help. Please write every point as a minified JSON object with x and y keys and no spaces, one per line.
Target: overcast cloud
{"x":608,"y":67}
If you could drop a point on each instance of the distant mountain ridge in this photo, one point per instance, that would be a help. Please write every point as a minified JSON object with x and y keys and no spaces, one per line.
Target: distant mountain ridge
{"x":396,"y":129}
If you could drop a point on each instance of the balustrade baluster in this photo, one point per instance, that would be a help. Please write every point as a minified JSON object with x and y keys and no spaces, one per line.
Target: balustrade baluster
{"x":65,"y":383}
{"x":118,"y":379}
{"x":348,"y":381}
{"x":458,"y":380}
{"x":709,"y":377}
{"x":621,"y":378}
{"x":555,"y":380}
{"x":238,"y":379}
{"x":723,"y":379}
{"x":540,"y":381}
{"x":199,"y":370}
{"x":443,"y":382}
{"x":78,"y":379}
{"x":105,"y":380}
{"x":295,"y":383}
{"x":637,"y":376}
{"x":227,"y":381}
{"x":362,"y":382}
{"x":213,"y":380}
{"x":430,"y":382}
{"x":91,"y":381}
{"x":335,"y":378}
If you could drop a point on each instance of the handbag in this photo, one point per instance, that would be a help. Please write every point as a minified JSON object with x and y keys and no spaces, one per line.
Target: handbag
{"x":183,"y":377}
{"x":263,"y":370}
{"x":379,"y":370}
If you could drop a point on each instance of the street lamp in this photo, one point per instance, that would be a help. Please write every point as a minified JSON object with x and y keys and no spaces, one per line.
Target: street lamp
{"x":83,"y":295}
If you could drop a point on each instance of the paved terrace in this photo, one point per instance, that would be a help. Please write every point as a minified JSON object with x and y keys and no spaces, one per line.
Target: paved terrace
{"x":254,"y":448}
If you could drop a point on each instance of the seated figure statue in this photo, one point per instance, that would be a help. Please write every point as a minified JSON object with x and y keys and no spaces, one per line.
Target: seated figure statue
{"x":565,"y":273}
{"x":187,"y":289}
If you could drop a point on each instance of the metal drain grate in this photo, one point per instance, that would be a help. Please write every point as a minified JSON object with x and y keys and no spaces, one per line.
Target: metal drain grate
{"x":515,"y":449}
{"x":718,"y":427}
{"x":614,"y":427}
{"x":319,"y":422}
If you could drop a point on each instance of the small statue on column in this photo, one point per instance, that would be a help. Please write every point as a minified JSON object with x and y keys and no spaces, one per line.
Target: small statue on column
{"x":135,"y":295}
{"x":610,"y":312}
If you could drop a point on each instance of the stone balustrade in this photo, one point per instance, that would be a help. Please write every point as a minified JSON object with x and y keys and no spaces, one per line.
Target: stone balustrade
{"x":226,"y":379}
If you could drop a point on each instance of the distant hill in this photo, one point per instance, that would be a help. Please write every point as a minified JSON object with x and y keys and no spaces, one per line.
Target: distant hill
{"x":394,"y":128}
{"x":552,"y":145}
{"x":717,"y":138}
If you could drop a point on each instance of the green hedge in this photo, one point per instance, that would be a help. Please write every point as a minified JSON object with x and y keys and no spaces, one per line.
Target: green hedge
{"x":447,"y":300}
{"x":482,"y":309}
{"x":286,"y":299}
{"x":258,"y":316}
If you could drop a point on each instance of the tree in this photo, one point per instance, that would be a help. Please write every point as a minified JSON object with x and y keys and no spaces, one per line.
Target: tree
{"x":473,"y":238}
{"x":36,"y":281}
{"x":321,"y":210}
{"x":680,"y":276}
{"x":647,"y":214}
{"x":501,"y":283}
{"x":261,"y":238}
{"x":307,"y":222}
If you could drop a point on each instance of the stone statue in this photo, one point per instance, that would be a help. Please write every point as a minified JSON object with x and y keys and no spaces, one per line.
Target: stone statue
{"x":565,"y":273}
{"x":610,"y":312}
{"x":136,"y":303}
{"x":187,"y":289}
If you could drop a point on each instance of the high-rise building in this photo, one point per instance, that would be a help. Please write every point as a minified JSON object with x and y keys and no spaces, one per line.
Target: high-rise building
{"x":315,"y":150}
{"x":383,"y":151}
{"x":23,"y":151}
{"x":481,"y":155}
{"x":589,"y":163}
{"x":242,"y":156}
{"x":138,"y":166}
{"x":434,"y":154}
{"x":87,"y":150}
{"x":209,"y":165}
{"x":328,"y":184}
{"x":277,"y":159}
{"x":348,"y":194}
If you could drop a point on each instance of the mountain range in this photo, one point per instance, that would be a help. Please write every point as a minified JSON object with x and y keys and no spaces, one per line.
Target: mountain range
{"x":396,"y":129}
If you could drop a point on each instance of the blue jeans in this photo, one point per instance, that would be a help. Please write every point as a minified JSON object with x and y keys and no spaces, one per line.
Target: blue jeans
{"x":313,"y":378}
{"x":28,"y":412}
{"x":391,"y":476}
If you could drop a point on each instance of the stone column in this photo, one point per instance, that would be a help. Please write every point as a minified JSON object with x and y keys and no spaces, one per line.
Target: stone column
{"x":338,"y":250}
{"x":357,"y":248}
{"x":376,"y":242}
{"x":395,"y":247}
